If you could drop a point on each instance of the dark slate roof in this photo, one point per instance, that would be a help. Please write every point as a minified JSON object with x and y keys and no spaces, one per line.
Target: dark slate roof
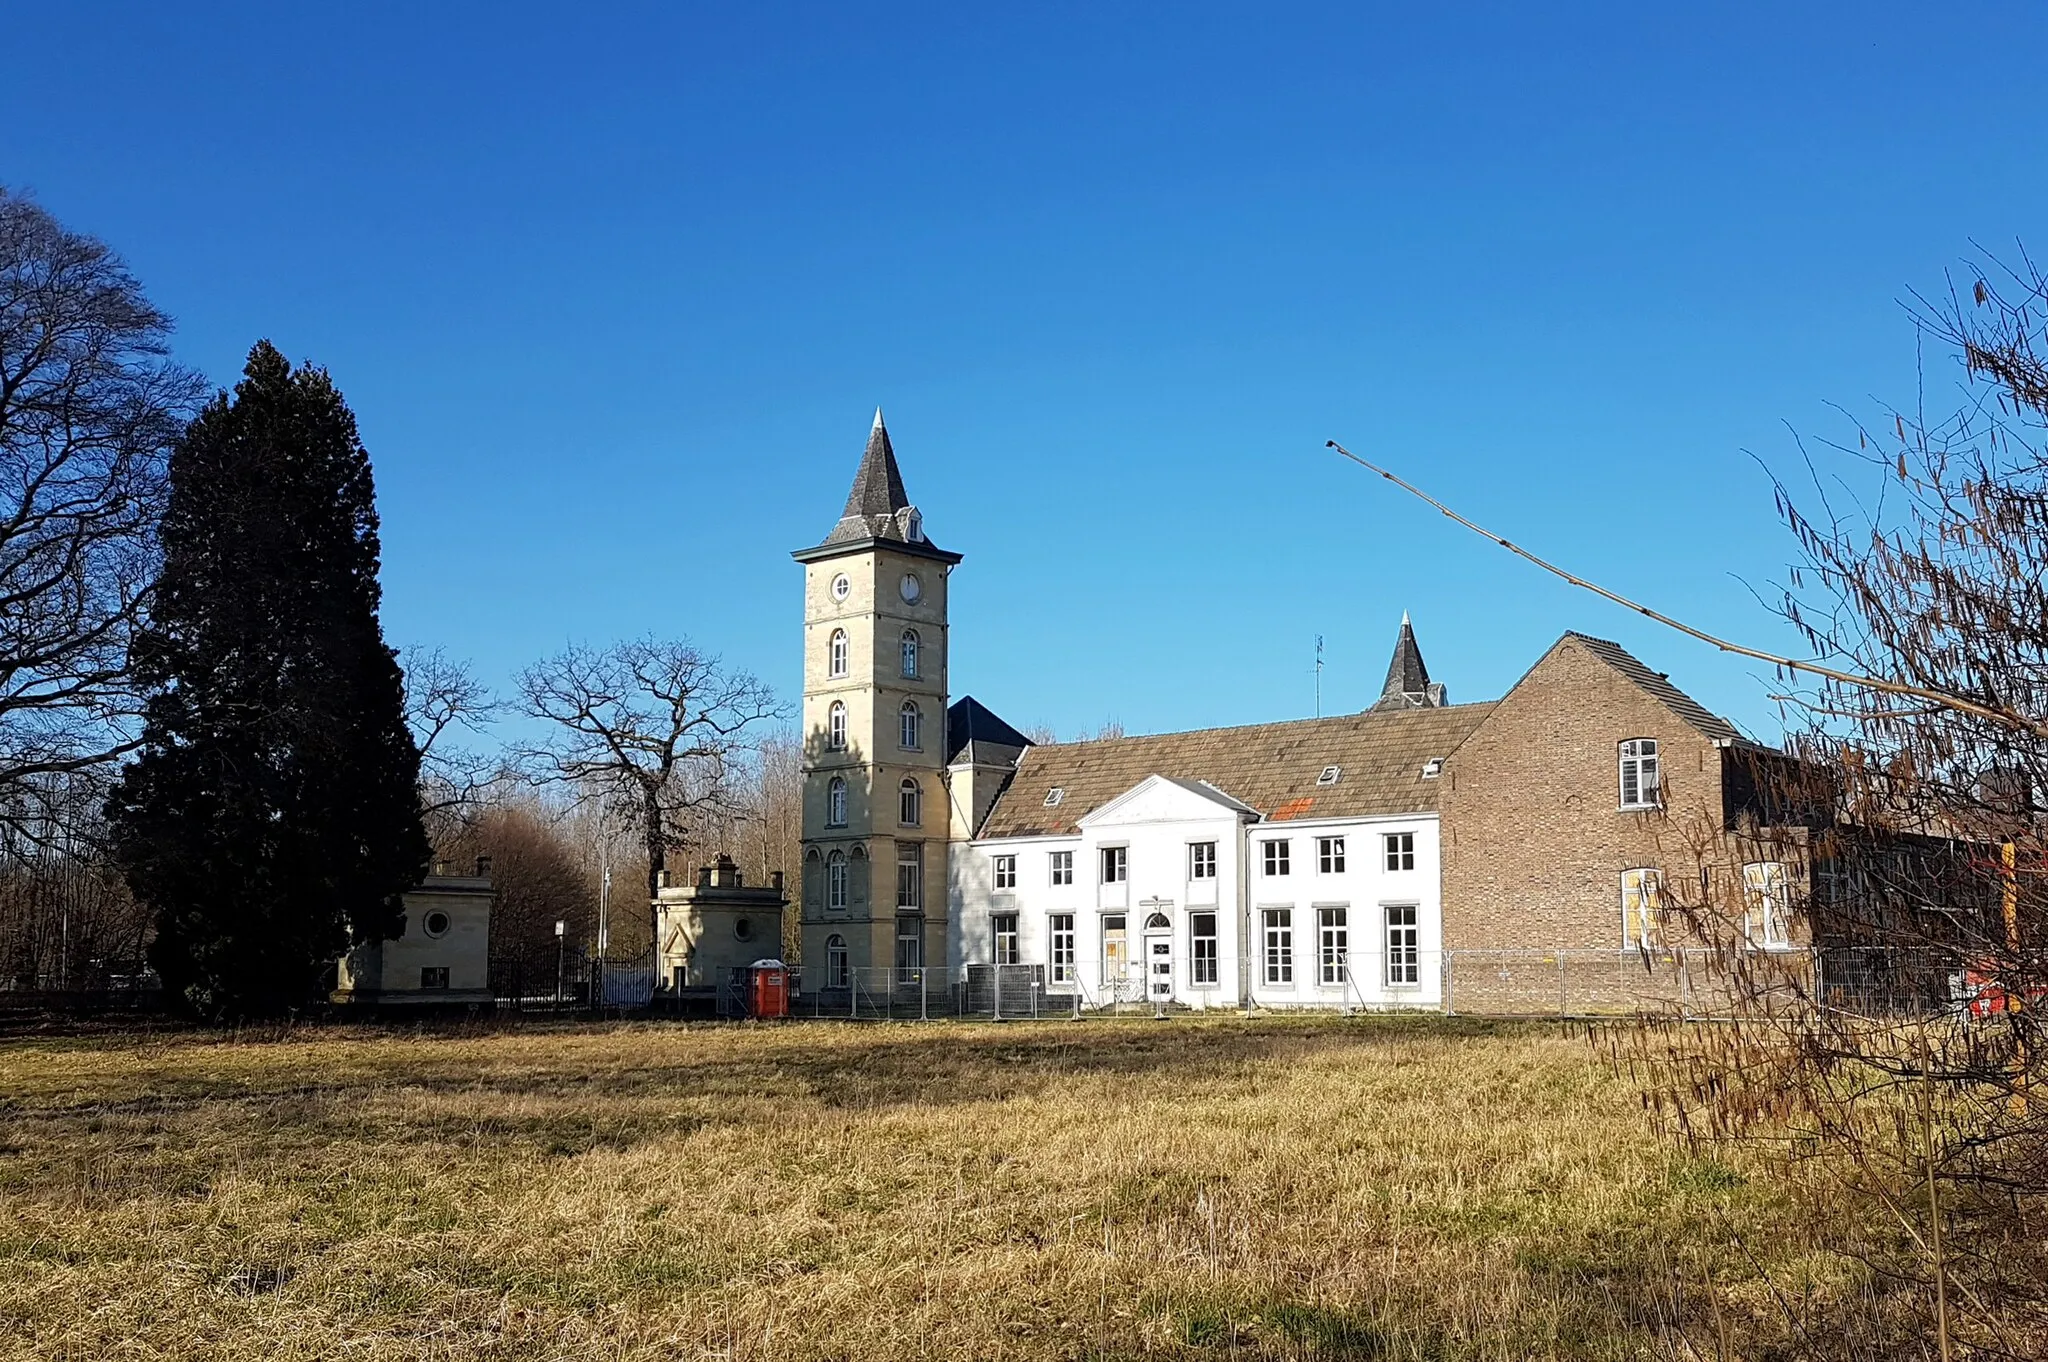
{"x":1407,"y":678}
{"x":1659,"y":687}
{"x":969,"y":723}
{"x":878,"y":510}
{"x":1270,"y":767}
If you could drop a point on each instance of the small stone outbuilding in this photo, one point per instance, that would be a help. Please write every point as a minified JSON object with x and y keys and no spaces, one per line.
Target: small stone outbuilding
{"x":442,"y":955}
{"x":706,"y":930}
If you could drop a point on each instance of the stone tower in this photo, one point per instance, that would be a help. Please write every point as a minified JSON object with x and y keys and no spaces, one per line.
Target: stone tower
{"x":874,"y":723}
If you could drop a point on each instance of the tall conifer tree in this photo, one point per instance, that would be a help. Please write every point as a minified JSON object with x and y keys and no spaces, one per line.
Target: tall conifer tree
{"x":274,"y":809}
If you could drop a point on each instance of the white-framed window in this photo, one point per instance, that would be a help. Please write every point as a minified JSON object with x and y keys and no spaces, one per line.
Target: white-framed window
{"x":1330,"y":855}
{"x":1400,"y":848}
{"x":1202,"y":955}
{"x":1279,"y":924}
{"x":835,"y":654}
{"x":1766,"y":887}
{"x":910,"y":803}
{"x":1642,"y":901}
{"x":1059,"y":928}
{"x":910,"y":874}
{"x":1116,"y":864}
{"x":1641,"y":786}
{"x":1054,"y":796}
{"x":909,"y":943}
{"x":835,"y":802}
{"x":835,"y":726}
{"x":1404,"y":946}
{"x":1005,"y":927}
{"x":1116,"y":944}
{"x":835,"y":882}
{"x":1201,"y":860}
{"x":1006,"y":871}
{"x":1333,"y":942}
{"x":1062,"y":867}
{"x":912,"y":736}
{"x":1328,"y":775}
{"x":910,"y":652}
{"x":836,"y":971}
{"x":842,"y":587}
{"x":1274,"y":856}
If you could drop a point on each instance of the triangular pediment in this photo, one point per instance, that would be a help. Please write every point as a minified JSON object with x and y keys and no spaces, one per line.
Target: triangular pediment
{"x":1163,"y":799}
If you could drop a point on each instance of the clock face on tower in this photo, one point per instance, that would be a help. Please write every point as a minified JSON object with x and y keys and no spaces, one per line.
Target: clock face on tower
{"x":911,"y":588}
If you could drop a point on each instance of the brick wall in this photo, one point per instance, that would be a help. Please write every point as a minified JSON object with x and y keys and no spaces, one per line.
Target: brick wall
{"x":1534,"y":838}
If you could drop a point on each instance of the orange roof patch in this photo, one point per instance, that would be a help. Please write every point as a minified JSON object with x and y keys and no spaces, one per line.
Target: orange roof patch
{"x":1293,"y":808}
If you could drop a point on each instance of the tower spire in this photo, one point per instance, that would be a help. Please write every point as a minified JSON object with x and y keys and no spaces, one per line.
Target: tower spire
{"x":878,"y":509}
{"x":1408,"y":684}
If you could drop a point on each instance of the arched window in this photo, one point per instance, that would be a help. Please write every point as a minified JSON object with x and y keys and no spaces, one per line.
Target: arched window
{"x":1640,"y":785}
{"x":1157,"y":922}
{"x":835,"y":803}
{"x":858,"y":865}
{"x":910,"y":652}
{"x":913,"y":725}
{"x":835,"y":727}
{"x":835,"y":962}
{"x":835,"y":655}
{"x":910,"y":812}
{"x":835,"y":881}
{"x":813,"y":877}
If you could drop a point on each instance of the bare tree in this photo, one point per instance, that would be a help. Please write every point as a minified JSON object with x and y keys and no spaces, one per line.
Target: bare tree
{"x":665,"y":734}
{"x":445,"y":699}
{"x":89,"y":408}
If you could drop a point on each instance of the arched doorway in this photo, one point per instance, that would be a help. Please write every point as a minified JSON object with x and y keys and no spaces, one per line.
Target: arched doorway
{"x":1158,"y":958}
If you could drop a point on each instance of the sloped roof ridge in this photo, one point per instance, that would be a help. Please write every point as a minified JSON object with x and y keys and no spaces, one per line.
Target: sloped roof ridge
{"x":1373,"y":716}
{"x":1659,"y":686}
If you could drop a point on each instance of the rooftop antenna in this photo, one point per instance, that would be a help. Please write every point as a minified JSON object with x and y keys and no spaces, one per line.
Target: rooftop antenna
{"x":1319,"y":676}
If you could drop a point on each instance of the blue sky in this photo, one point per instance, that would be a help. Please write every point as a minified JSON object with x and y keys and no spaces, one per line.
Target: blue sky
{"x":614,"y":296}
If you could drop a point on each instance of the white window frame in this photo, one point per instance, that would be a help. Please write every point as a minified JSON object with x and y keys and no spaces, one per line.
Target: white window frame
{"x":910,"y":803}
{"x":910,"y":735}
{"x":1401,"y":928}
{"x":836,"y":650}
{"x":1003,"y":871}
{"x":1007,"y":932}
{"x":910,"y":876}
{"x":1642,"y":907}
{"x":1639,"y":765}
{"x":838,"y":964}
{"x":1201,"y":860}
{"x":835,"y":802}
{"x":837,"y":882}
{"x":1767,"y":891}
{"x":1277,"y":936}
{"x":1330,"y":855}
{"x":1059,"y":868}
{"x":1399,"y":849}
{"x":835,"y":726}
{"x":1333,"y":942}
{"x":1114,"y":864}
{"x":910,"y":644}
{"x":1059,"y":935}
{"x":1276,"y":857}
{"x":1204,"y":965}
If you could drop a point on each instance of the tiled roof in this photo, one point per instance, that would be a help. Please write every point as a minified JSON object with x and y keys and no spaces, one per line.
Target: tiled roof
{"x":1271,"y":767}
{"x":1658,"y":685}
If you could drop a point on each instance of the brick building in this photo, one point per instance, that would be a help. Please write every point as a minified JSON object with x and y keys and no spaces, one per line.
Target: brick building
{"x":1593,"y":840}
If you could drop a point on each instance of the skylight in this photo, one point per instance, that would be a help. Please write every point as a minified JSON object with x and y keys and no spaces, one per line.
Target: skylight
{"x":1054,"y":796}
{"x":1329,"y":775}
{"x":1432,"y":768}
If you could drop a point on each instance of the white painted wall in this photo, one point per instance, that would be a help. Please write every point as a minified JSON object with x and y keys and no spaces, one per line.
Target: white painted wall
{"x":1156,"y":822}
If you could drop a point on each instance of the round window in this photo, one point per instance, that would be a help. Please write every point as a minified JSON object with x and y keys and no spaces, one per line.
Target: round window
{"x":436,"y":923}
{"x":841,"y":586}
{"x":743,"y":928}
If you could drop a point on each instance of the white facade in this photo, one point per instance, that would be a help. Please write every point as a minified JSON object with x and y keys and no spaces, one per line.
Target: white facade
{"x":1168,"y":894}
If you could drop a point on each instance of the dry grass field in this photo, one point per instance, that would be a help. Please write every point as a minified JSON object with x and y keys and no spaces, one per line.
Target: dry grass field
{"x":1206,"y":1189}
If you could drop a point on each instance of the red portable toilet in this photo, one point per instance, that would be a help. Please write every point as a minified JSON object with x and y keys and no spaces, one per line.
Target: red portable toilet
{"x":768,"y":989}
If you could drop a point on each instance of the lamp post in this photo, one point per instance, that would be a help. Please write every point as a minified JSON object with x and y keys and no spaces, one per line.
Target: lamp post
{"x":561,"y":959}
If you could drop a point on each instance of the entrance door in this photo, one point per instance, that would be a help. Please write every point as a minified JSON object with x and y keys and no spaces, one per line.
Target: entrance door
{"x":1115,"y":960}
{"x":1158,"y":959}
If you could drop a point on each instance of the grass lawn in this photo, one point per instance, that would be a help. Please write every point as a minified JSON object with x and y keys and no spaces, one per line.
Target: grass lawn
{"x":1393,"y":1188}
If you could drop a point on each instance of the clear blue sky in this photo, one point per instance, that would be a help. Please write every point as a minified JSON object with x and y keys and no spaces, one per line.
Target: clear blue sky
{"x":614,"y":293}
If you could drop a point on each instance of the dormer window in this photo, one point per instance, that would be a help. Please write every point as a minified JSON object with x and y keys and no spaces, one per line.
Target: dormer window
{"x":1054,"y":796}
{"x":1641,"y":787}
{"x":1329,"y":775}
{"x":835,"y":654}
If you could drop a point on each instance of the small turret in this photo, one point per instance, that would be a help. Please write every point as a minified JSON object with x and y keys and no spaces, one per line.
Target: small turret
{"x":1408,"y":684}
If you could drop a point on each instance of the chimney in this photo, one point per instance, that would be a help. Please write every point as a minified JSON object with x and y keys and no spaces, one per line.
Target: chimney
{"x":483,"y":867}
{"x":775,"y":879}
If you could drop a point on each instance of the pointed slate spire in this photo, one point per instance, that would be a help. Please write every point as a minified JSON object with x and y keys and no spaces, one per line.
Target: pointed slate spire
{"x":1408,"y":684}
{"x":878,"y":486}
{"x":877,"y":507}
